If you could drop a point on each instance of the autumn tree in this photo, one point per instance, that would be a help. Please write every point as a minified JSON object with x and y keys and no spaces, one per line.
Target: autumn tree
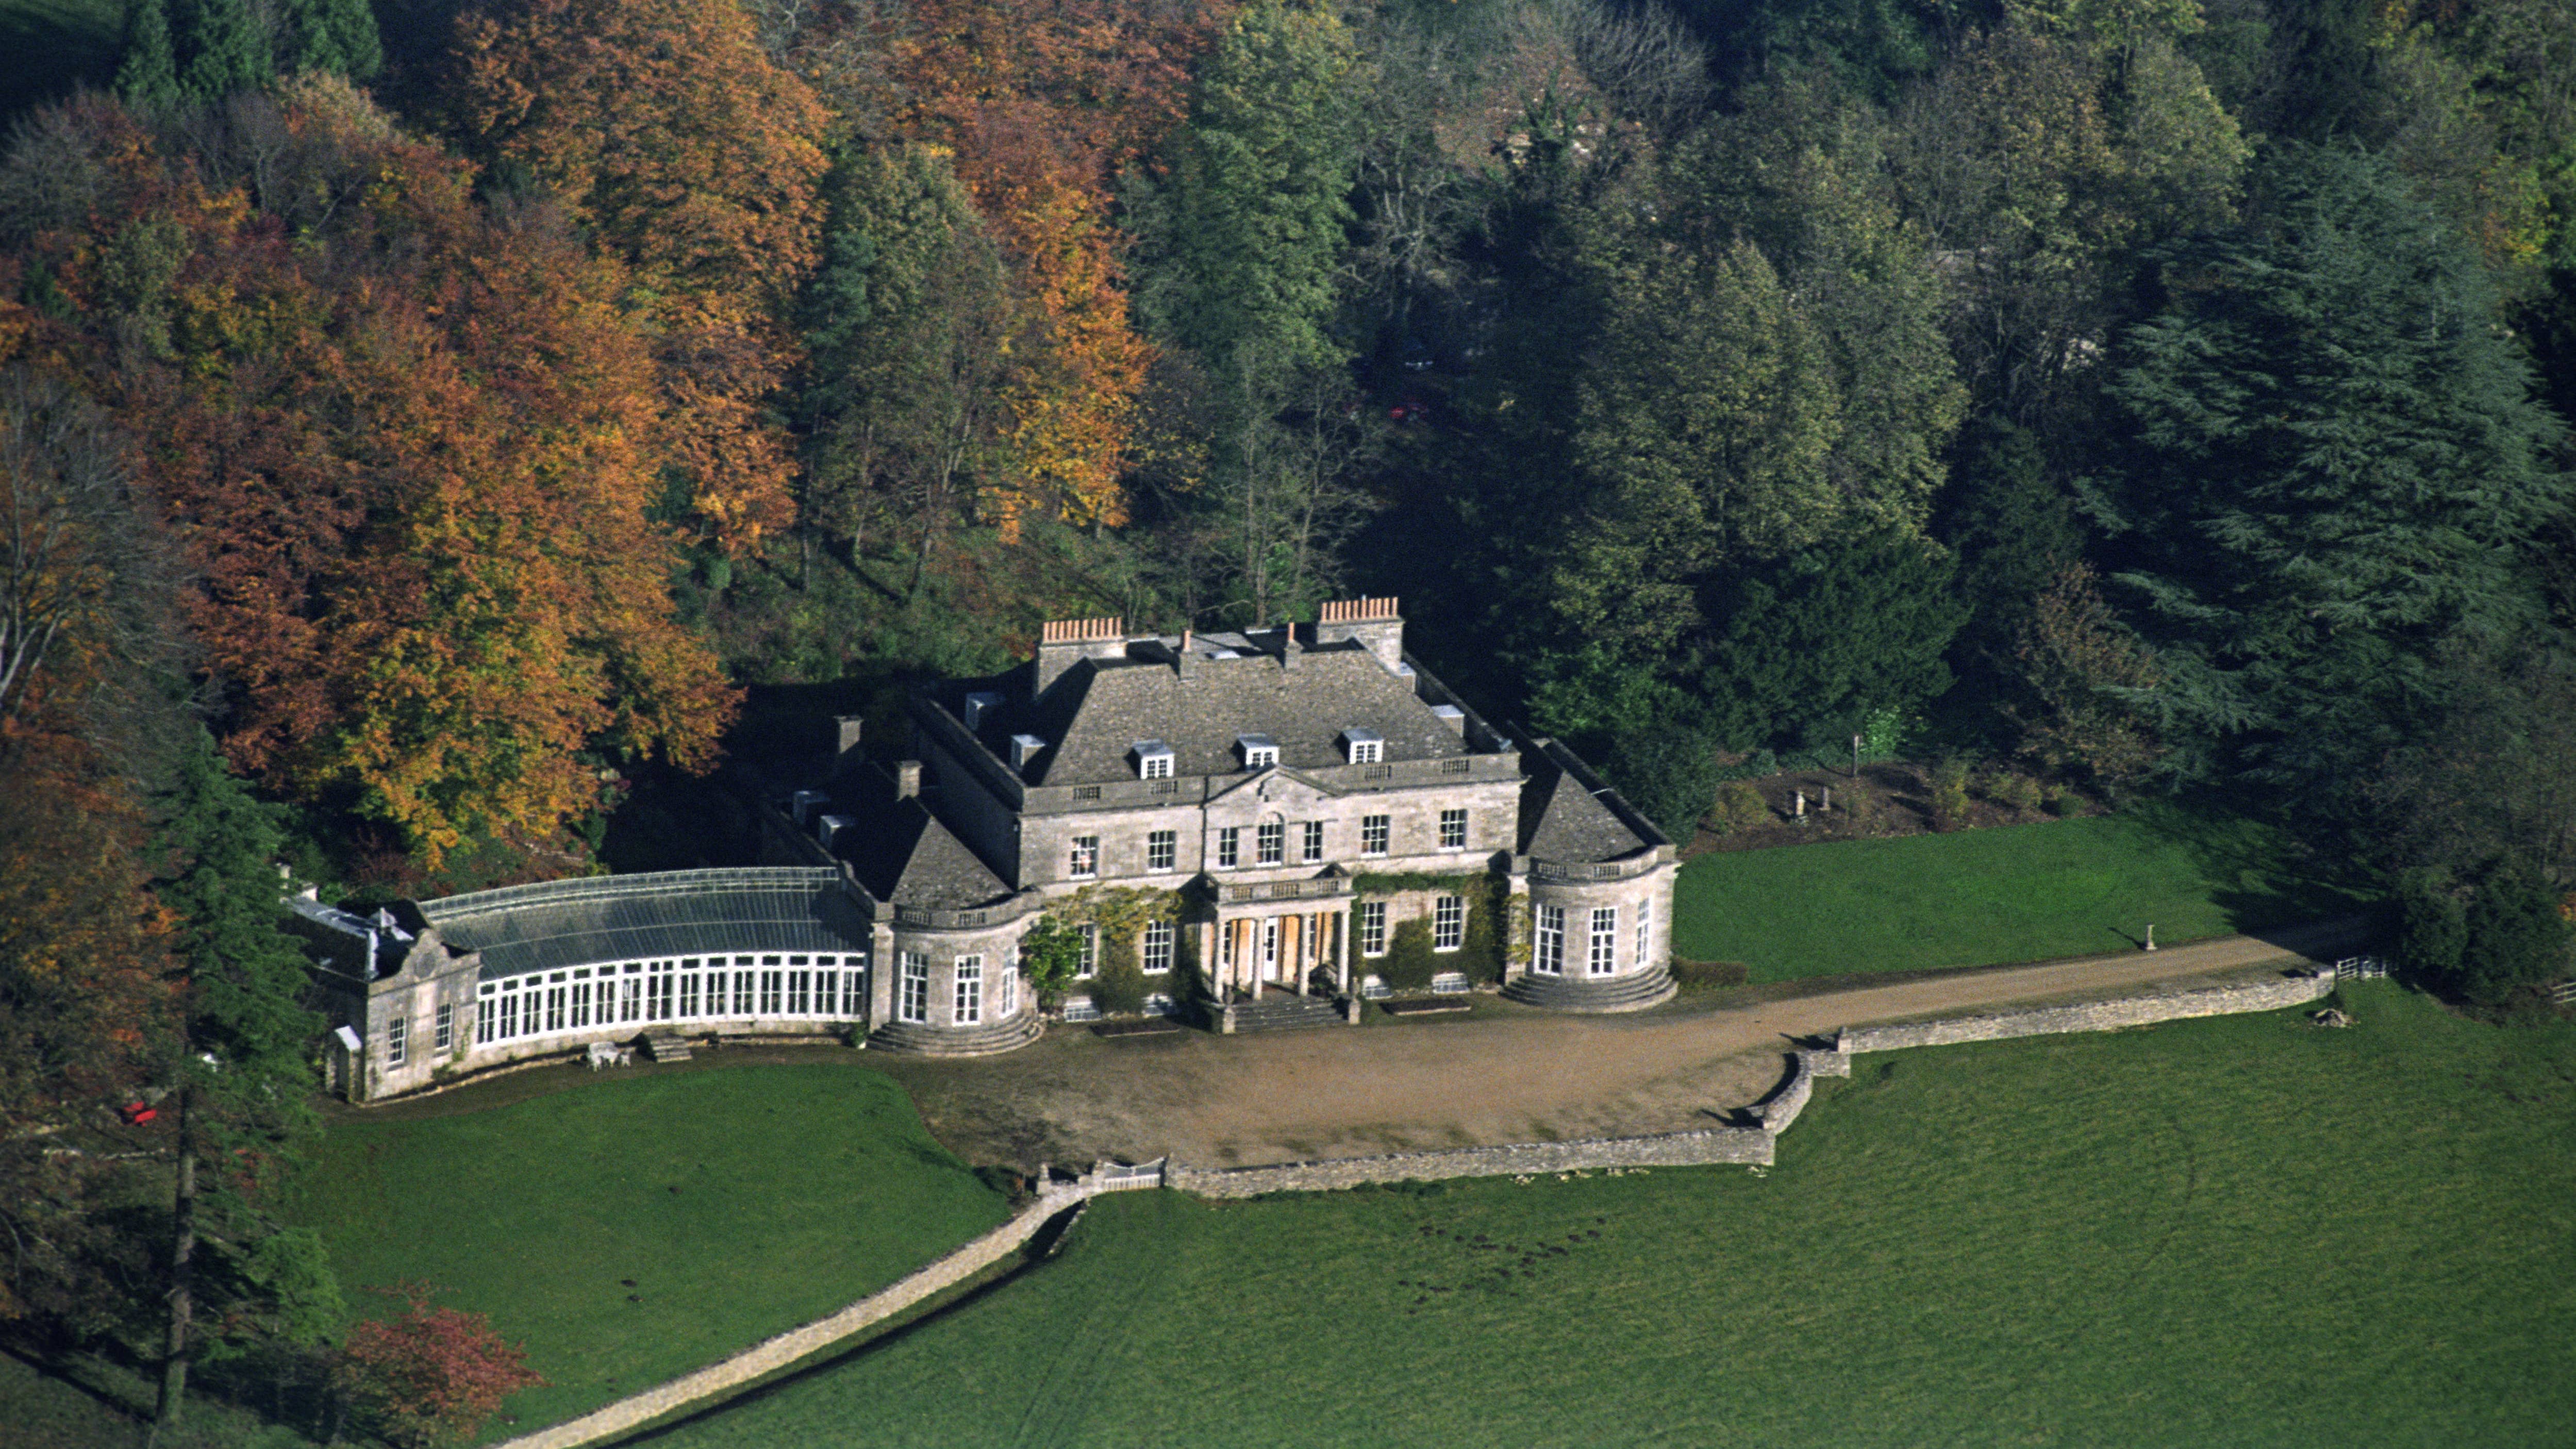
{"x":1041,"y":109}
{"x":662,"y":127}
{"x":413,"y":452}
{"x":431,"y":1375}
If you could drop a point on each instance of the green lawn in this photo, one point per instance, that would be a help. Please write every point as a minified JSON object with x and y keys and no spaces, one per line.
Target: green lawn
{"x":48,"y":46}
{"x":798,"y":1189}
{"x":2020,"y":893}
{"x":2241,"y":1231}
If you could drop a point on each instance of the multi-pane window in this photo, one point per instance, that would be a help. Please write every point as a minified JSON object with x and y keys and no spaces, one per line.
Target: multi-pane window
{"x":970,"y":991}
{"x":1087,"y":964}
{"x":1086,"y":855}
{"x":770,"y":985}
{"x":1273,"y":841}
{"x":1158,"y":947}
{"x":1548,"y":957}
{"x":1365,"y":751}
{"x":1603,"y":958}
{"x":1162,"y":849}
{"x":688,"y":988}
{"x":446,"y":1026}
{"x":1645,"y":912}
{"x":912,"y":1003}
{"x":1372,"y":928}
{"x":1453,"y":830}
{"x":486,"y":1019}
{"x":397,"y":1041}
{"x":1229,"y":847}
{"x":1448,"y":922}
{"x":1314,"y":841}
{"x":1154,"y":767}
{"x":1006,"y":993}
{"x":1373,"y":834}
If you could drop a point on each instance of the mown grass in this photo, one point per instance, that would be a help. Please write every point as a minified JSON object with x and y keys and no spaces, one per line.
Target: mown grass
{"x":2244,"y":1231}
{"x":1973,"y":898}
{"x":739,"y":1202}
{"x":49,"y":46}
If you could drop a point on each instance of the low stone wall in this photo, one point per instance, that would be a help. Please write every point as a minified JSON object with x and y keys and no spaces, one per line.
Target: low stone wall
{"x":1671,"y":1149}
{"x":1782,"y":1107}
{"x":2289,"y":989}
{"x":797,"y":1344}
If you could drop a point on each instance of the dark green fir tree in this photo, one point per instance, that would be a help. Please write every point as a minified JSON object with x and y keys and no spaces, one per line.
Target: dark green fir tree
{"x":227,"y":50}
{"x":241,"y":1079}
{"x":147,"y":75}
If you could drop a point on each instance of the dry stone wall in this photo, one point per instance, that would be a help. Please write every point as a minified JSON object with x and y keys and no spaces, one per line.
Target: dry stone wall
{"x":1672,"y":1149}
{"x":2289,"y":989}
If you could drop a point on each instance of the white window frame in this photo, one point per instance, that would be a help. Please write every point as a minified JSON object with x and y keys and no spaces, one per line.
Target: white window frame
{"x":1162,"y":851}
{"x":912,"y":998}
{"x":446,"y":1033}
{"x":1006,"y":994}
{"x":966,"y":1002}
{"x":1085,"y":857}
{"x":1602,"y":956}
{"x":1645,"y":933}
{"x":1547,"y":945}
{"x":1368,"y":751}
{"x":1448,"y":922}
{"x":1375,"y":831}
{"x":1153,"y":760}
{"x":1372,"y":928}
{"x":397,"y":1040}
{"x":1229,"y":847}
{"x":1270,"y":843}
{"x":1160,"y":936}
{"x":1086,"y":962}
{"x":1453,"y":823}
{"x":1258,"y":754}
{"x":1311,"y":847}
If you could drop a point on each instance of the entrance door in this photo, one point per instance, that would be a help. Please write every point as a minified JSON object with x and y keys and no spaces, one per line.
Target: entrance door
{"x":1270,"y":962}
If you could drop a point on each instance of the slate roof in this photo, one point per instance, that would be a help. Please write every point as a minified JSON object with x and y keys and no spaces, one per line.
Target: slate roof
{"x":631,"y":917}
{"x":1567,"y":817}
{"x":1093,"y":716}
{"x":903,"y":855}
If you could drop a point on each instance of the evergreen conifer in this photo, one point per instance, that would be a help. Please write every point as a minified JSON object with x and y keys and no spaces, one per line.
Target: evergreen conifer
{"x":226,"y":48}
{"x":147,"y":76}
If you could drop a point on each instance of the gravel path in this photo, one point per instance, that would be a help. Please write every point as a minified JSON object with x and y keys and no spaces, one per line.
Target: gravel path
{"x":1500,"y":1074}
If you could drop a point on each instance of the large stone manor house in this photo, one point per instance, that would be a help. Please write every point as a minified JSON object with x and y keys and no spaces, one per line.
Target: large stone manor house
{"x":1245,"y":830}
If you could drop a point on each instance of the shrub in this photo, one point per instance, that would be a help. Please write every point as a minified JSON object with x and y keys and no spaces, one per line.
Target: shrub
{"x":1740,"y":807}
{"x":1409,"y":962}
{"x":2485,"y":941}
{"x":1710,"y":975}
{"x":1950,"y":794}
{"x":432,"y":1375}
{"x":2021,"y":792}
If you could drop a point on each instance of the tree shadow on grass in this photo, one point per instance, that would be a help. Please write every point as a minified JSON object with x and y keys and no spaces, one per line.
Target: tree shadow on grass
{"x":2261,"y":873}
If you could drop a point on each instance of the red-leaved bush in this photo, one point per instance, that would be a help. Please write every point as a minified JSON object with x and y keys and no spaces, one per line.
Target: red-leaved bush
{"x":432,"y":1375}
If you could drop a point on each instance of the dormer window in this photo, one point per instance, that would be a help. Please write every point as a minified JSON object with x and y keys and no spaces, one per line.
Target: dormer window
{"x":981,"y":706}
{"x":1153,"y":760}
{"x":1025,"y":748}
{"x":1363,"y":747}
{"x":1260,"y":752}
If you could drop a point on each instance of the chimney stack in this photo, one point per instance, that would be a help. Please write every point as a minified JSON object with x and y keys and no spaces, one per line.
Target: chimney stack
{"x":907,"y":779}
{"x":1061,"y":642}
{"x":1373,"y":623}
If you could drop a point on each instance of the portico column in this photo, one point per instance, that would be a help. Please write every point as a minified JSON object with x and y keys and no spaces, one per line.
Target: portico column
{"x":1297,"y":968}
{"x":1342,"y":948}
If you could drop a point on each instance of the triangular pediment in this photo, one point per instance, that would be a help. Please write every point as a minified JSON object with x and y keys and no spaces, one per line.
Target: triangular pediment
{"x":1278,"y":786}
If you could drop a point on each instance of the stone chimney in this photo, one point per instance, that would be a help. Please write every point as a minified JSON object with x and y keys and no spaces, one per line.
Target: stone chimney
{"x":1374,"y":623}
{"x":1063,"y":641}
{"x":907,"y":779}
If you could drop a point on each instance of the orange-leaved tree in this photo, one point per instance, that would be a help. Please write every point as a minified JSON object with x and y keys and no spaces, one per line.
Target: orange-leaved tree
{"x":412,"y":445}
{"x":665,"y":129}
{"x":1041,"y":106}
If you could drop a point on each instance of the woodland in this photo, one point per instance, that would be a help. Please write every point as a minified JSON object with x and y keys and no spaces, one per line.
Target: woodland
{"x":427,"y":425}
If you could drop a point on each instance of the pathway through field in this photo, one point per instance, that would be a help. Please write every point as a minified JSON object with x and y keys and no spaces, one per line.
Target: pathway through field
{"x":1503,"y":1075}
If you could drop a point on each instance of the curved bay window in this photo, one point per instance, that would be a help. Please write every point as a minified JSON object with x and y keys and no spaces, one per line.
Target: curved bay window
{"x":686,"y":989}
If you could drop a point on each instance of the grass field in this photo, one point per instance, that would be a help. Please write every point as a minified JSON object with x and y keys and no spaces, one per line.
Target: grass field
{"x":2241,"y":1231}
{"x":740,"y":1201}
{"x":2021,"y":893}
{"x":48,"y":46}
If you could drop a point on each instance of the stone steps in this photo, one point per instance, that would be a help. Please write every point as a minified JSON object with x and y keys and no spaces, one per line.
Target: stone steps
{"x":1284,"y":1011}
{"x":950,"y":1041}
{"x":1635,"y":991}
{"x":666,"y":1048}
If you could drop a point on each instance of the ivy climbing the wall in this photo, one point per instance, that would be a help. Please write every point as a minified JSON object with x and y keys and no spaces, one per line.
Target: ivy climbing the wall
{"x":1410,"y":962}
{"x":1119,"y":915}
